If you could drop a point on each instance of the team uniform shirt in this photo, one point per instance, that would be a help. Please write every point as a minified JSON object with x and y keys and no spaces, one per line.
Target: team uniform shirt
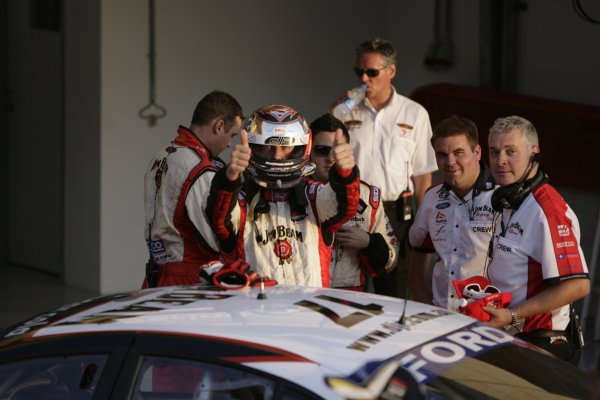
{"x":535,"y":246}
{"x":284,"y":234}
{"x":459,"y":230}
{"x":392,"y":144}
{"x":176,"y":229}
{"x":349,"y":266}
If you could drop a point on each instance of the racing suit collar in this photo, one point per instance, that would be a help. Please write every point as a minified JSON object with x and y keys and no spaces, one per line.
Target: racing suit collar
{"x":187,"y":138}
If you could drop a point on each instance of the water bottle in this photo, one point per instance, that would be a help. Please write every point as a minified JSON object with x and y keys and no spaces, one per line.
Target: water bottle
{"x":344,"y":108}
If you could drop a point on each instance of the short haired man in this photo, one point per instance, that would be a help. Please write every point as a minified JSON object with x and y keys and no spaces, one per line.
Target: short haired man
{"x":390,"y":136}
{"x":278,"y":221}
{"x":535,"y":253}
{"x":455,"y":218}
{"x":176,"y":185}
{"x":365,"y":245}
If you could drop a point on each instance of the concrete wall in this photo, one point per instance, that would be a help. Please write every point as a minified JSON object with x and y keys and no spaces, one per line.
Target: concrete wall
{"x":296,"y":52}
{"x":82,"y":89}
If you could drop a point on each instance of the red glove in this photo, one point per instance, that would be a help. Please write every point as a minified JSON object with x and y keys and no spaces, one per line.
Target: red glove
{"x":477,"y":292}
{"x":234,"y":276}
{"x":475,"y":308}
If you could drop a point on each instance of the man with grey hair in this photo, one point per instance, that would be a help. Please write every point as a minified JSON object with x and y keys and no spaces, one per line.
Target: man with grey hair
{"x":534,"y":253}
{"x":390,"y":136}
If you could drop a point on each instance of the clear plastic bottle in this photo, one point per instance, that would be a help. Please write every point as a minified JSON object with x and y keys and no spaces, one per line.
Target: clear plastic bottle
{"x":344,"y":108}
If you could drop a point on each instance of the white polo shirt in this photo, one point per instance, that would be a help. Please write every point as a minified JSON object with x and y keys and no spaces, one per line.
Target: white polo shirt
{"x":535,"y":246}
{"x":459,"y":230}
{"x":391,"y":145}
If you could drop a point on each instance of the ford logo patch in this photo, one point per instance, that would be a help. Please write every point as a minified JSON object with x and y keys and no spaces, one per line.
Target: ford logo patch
{"x":441,"y":206}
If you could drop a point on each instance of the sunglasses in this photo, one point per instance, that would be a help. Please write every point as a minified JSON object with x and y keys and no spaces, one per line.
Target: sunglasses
{"x":371,"y":72}
{"x":489,"y":289}
{"x":321,"y":150}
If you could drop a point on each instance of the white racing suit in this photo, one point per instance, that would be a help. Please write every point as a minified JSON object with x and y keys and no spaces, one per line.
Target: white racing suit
{"x":284,"y":234}
{"x":349,"y":266}
{"x":176,"y":229}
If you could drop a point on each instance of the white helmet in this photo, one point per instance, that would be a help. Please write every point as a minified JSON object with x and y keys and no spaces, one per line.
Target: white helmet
{"x":278,"y":125}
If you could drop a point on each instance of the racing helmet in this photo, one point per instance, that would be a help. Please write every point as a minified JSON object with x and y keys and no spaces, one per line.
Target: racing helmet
{"x":278,"y":125}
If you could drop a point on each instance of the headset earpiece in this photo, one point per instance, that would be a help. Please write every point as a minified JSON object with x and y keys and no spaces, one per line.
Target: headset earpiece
{"x":536,"y":158}
{"x":511,"y":196}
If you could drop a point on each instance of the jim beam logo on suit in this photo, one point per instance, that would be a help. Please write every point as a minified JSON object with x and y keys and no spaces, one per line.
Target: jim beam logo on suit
{"x":282,"y":236}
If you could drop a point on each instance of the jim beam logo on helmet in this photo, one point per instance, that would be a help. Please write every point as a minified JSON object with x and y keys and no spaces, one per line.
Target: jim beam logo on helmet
{"x":280,"y":141}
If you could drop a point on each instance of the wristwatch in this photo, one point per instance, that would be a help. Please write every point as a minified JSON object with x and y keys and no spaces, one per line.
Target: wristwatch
{"x":514,"y":319}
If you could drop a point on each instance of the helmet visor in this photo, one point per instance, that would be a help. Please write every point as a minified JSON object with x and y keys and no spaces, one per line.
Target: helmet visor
{"x":276,"y":152}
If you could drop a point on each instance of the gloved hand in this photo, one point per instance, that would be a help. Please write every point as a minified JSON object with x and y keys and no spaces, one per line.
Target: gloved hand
{"x":474,"y":308}
{"x":233,"y":276}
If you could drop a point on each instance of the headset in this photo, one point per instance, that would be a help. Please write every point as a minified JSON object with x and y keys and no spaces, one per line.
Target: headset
{"x":511,"y":196}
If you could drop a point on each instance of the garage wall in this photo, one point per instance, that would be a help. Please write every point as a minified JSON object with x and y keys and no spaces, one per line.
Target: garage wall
{"x":299,"y":53}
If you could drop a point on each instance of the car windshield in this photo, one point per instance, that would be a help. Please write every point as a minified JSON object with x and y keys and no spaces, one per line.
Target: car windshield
{"x":509,"y":372}
{"x":173,"y":378}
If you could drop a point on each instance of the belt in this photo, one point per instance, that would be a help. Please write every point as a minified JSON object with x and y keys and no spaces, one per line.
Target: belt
{"x":546,"y":333}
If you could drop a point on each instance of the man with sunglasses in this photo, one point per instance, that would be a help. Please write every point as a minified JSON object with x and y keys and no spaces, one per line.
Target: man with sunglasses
{"x":455,"y":218}
{"x":390,"y":137}
{"x":365,"y":246}
{"x":278,"y":221}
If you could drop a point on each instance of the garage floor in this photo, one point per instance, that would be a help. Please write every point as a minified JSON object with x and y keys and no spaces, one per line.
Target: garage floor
{"x":26,"y":293}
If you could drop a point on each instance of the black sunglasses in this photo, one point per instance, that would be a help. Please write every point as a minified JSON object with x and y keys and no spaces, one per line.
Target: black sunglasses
{"x":371,"y":72}
{"x":321,"y":150}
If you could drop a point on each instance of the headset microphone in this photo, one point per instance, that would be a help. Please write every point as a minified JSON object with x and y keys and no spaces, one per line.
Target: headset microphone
{"x":511,"y":196}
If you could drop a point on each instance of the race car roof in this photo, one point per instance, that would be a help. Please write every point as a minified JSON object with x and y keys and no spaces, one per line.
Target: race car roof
{"x":337,"y":329}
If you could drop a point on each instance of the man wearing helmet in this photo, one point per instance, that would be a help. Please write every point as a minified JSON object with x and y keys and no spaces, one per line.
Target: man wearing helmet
{"x":277,"y":220}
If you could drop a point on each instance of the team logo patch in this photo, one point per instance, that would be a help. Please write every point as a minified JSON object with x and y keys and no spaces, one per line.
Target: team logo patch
{"x":297,"y":218}
{"x":280,"y":141}
{"x":404,"y":128}
{"x":283,"y":251}
{"x":281,"y":115}
{"x":155,"y":246}
{"x":515,"y":229}
{"x":563,"y":256}
{"x":353,"y":123}
{"x":562,"y":245}
{"x":563,"y":230}
{"x":362,"y":206}
{"x":440,"y":218}
{"x":217,"y":163}
{"x":442,"y":206}
{"x":375,"y":194}
{"x":443,"y":195}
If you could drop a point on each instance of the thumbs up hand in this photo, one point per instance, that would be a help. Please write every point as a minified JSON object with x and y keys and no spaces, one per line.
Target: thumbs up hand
{"x":342,"y":152}
{"x":240,"y":157}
